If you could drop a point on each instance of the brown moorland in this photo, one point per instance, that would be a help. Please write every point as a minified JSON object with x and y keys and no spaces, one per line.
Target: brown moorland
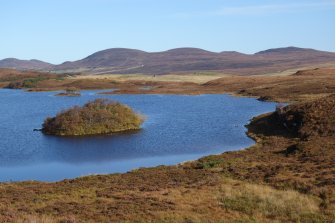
{"x":300,"y":86}
{"x":8,"y":76}
{"x":287,"y":176}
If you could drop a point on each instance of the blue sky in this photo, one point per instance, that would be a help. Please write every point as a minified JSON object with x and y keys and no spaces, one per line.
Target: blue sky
{"x":61,"y":30}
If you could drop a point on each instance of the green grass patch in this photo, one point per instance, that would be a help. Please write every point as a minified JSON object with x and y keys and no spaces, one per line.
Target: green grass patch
{"x":32,"y":82}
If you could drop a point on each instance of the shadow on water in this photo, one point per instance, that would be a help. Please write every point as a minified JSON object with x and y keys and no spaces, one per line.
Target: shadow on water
{"x":93,"y":148}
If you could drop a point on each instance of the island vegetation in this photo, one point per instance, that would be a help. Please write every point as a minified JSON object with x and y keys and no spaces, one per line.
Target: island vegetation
{"x":71,"y":92}
{"x":101,"y":116}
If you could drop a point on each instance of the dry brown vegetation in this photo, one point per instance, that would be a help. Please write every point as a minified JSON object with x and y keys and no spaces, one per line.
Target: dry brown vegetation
{"x":288,"y":176}
{"x":300,"y":86}
{"x":295,"y":149}
{"x":14,"y":79}
{"x":314,"y":118}
{"x":162,"y":194}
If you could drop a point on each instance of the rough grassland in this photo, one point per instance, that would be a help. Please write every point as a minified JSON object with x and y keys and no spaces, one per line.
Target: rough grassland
{"x":165,"y":194}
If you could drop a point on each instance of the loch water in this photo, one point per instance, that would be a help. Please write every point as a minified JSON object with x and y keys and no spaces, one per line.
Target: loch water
{"x":177,"y":128}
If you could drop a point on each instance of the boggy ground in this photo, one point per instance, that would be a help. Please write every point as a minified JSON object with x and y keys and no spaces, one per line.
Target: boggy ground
{"x":288,"y":176}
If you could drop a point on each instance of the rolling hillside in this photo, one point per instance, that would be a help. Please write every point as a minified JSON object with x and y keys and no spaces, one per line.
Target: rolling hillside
{"x":130,"y":61}
{"x":24,"y":64}
{"x":182,"y":60}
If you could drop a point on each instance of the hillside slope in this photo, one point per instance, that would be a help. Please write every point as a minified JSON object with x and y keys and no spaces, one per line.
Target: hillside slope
{"x":24,"y":64}
{"x":315,"y":118}
{"x":130,"y":61}
{"x":181,"y":60}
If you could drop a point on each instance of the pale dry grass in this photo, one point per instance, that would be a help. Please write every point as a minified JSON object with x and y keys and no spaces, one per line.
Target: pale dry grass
{"x":289,"y":72}
{"x":198,"y":78}
{"x":42,"y":219}
{"x":268,"y":203}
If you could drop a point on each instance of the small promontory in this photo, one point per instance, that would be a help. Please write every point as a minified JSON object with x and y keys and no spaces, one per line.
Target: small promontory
{"x":312,"y":118}
{"x":101,"y":116}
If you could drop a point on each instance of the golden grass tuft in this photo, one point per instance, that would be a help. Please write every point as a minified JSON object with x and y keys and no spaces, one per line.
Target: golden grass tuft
{"x":269,"y":203}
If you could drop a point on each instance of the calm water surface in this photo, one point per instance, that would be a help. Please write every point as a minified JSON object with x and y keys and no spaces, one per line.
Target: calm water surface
{"x":178,"y":128}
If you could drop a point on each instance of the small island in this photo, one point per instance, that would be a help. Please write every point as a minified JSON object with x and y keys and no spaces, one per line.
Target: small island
{"x":101,"y":116}
{"x":72,"y":92}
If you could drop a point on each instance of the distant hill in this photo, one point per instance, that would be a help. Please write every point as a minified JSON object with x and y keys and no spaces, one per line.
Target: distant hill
{"x":118,"y":58}
{"x":24,"y":64}
{"x":286,"y":50}
{"x":130,"y":61}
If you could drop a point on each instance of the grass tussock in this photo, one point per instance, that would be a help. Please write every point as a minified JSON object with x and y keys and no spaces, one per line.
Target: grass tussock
{"x":268,"y":203}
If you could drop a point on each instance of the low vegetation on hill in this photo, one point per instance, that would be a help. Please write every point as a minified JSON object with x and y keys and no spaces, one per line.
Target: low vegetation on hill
{"x":295,"y":150}
{"x":301,"y":86}
{"x":315,"y":118}
{"x":160,"y":195}
{"x":15,"y":79}
{"x":96,"y":117}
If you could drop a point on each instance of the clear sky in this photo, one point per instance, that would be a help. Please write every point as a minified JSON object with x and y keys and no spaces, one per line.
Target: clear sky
{"x":60,"y":30}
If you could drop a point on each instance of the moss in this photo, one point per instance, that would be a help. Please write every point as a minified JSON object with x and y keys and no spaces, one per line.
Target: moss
{"x":96,"y":117}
